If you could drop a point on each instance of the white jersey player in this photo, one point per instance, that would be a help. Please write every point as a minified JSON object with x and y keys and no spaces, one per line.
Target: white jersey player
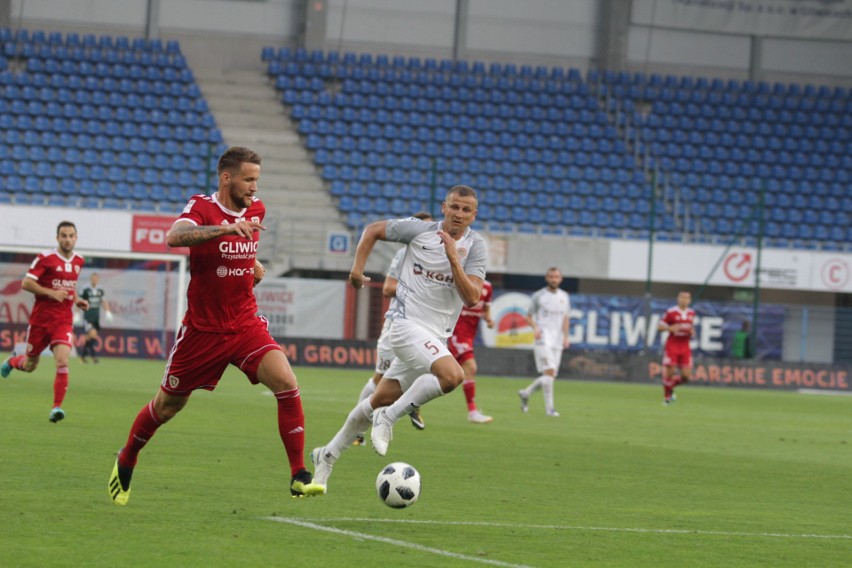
{"x":548,"y":316}
{"x":384,"y":352}
{"x":443,"y":269}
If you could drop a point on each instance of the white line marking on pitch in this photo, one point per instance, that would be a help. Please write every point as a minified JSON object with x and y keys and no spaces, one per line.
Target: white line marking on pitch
{"x":393,"y":541}
{"x":825,"y":392}
{"x":592,"y":528}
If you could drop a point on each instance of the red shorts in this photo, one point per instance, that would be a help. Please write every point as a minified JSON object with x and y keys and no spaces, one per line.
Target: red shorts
{"x":460,"y":348}
{"x":677,"y":356}
{"x":199,"y":358}
{"x":39,"y":337}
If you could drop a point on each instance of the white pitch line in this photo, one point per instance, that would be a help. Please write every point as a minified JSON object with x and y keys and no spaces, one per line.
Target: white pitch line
{"x":826,"y":392}
{"x":593,"y":528}
{"x":402,"y":543}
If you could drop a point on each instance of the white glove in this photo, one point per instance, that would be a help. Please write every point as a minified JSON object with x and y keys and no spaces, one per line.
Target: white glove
{"x":108,"y":315}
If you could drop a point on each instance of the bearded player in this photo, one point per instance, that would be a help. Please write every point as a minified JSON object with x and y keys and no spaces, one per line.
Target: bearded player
{"x":52,"y":279}
{"x":460,"y":345}
{"x":221,"y":326}
{"x":679,"y":321}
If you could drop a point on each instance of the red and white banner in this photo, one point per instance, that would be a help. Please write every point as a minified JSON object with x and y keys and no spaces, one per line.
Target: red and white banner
{"x":788,"y":269}
{"x":148,"y":234}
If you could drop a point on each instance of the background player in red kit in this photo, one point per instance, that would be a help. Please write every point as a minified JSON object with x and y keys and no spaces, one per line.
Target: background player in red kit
{"x":220,"y":326}
{"x":52,"y":278}
{"x":461,"y":347}
{"x":679,"y":321}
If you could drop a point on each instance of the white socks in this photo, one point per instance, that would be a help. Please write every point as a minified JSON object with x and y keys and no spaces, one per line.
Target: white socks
{"x":424,"y":389}
{"x":536,"y":384}
{"x":547,"y":389}
{"x":356,"y":423}
{"x":545,"y":383}
{"x":368,"y":389}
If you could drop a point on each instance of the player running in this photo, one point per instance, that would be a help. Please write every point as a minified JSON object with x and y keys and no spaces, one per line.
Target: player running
{"x":461,"y":347}
{"x":52,"y":278}
{"x":548,"y":316}
{"x":443,"y":269}
{"x":220,"y":326}
{"x":384,"y":353}
{"x":679,"y":321}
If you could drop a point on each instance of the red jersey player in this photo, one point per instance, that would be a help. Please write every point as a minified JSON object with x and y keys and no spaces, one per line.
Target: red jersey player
{"x":221,"y":326}
{"x":679,"y":321}
{"x":52,"y":278}
{"x":461,"y":347}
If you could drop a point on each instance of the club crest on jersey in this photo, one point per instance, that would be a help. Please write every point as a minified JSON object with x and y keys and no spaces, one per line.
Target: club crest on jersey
{"x":77,"y":269}
{"x":173,"y":381}
{"x":255,"y":219}
{"x":462,"y":252}
{"x":225,"y":221}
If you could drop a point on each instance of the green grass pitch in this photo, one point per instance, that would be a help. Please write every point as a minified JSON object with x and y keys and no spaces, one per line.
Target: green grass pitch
{"x":724,"y":477}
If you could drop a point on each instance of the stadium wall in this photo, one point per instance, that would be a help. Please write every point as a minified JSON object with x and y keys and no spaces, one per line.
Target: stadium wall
{"x":230,"y":33}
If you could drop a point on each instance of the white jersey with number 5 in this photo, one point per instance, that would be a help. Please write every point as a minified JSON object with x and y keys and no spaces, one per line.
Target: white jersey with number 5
{"x":548,"y":310}
{"x":426,"y":293}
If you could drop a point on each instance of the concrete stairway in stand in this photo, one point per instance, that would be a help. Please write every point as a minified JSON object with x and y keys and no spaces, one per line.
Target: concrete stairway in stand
{"x":300,"y":212}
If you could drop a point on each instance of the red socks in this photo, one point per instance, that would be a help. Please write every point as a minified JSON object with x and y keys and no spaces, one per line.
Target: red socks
{"x":469,"y":393}
{"x":18,"y":362}
{"x":60,"y":386}
{"x":668,"y":387}
{"x":143,"y":428}
{"x":291,"y":427}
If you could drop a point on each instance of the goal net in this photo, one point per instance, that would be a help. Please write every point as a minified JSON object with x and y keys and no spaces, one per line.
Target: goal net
{"x":146,"y":294}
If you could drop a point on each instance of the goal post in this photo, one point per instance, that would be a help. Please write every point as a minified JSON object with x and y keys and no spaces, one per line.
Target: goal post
{"x":146,"y":293}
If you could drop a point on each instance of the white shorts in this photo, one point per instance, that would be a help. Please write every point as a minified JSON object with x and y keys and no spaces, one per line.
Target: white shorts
{"x":547,"y":357}
{"x":384,"y":352}
{"x":415,"y":349}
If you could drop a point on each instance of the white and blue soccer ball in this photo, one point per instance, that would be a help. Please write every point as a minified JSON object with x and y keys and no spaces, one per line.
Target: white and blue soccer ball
{"x":398,"y":485}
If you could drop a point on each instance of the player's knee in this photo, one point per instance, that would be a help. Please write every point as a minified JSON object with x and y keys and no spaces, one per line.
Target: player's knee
{"x":451,"y":379}
{"x":167,"y":408}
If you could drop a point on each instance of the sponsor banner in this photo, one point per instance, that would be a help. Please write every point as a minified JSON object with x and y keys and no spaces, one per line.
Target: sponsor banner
{"x":330,"y":353}
{"x":111,"y":342}
{"x":592,"y":365}
{"x":148,"y":234}
{"x":779,"y":269}
{"x":297,"y":307}
{"x":623,"y":323}
{"x":823,"y":19}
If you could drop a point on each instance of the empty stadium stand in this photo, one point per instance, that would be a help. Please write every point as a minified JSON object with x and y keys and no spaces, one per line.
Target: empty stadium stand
{"x":534,"y":141}
{"x":554,"y":152}
{"x":719,"y":144}
{"x":105,"y":121}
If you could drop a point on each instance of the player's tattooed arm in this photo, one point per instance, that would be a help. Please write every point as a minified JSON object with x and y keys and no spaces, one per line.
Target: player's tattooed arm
{"x":186,"y":234}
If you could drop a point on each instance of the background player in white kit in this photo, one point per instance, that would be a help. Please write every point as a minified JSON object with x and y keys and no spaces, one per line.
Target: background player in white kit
{"x":548,"y":316}
{"x":443,"y":269}
{"x":384,"y":352}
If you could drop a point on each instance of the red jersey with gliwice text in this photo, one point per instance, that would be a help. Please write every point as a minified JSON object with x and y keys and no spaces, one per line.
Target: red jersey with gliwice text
{"x":51,"y":270}
{"x":683,"y":320}
{"x":469,"y":318}
{"x":220,"y":297}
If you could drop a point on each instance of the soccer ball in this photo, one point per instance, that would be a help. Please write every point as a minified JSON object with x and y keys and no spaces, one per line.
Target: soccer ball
{"x":398,"y":485}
